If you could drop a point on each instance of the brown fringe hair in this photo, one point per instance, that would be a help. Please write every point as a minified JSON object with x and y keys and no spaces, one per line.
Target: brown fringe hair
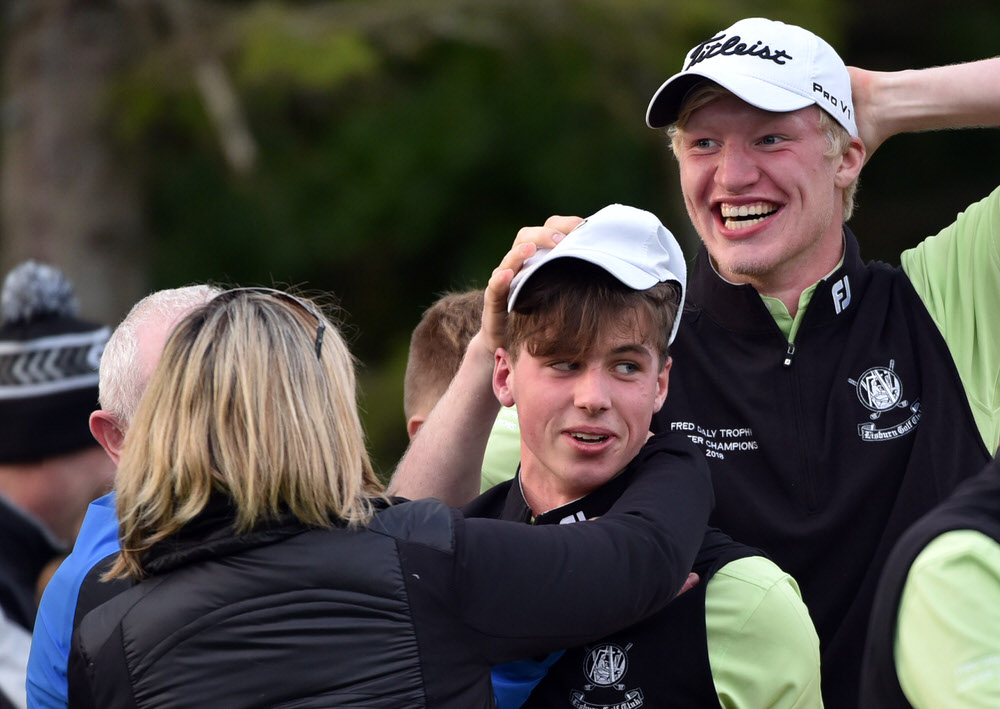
{"x":576,"y":304}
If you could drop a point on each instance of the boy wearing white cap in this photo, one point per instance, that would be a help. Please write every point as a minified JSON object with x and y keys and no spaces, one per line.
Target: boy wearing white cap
{"x":586,"y":361}
{"x":837,"y":400}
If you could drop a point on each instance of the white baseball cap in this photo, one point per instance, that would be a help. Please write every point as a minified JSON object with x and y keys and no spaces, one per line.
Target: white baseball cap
{"x":768,"y":64}
{"x":631,"y":244}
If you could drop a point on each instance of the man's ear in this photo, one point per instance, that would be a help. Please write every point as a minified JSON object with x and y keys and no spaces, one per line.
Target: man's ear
{"x":850,"y":164}
{"x":662,"y":384}
{"x":503,"y":370}
{"x":413,"y":425}
{"x":106,"y":430}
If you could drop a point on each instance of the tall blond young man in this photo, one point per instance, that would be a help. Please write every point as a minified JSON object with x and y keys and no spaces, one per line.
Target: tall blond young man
{"x":820,"y":387}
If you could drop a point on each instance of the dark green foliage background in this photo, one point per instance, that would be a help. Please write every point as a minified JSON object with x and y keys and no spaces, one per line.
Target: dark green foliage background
{"x":403,"y":144}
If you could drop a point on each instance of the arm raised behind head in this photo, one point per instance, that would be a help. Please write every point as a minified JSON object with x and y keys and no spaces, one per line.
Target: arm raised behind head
{"x":445,"y":458}
{"x":956,"y":96}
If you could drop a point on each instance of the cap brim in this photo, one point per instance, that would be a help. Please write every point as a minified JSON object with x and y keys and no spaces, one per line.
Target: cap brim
{"x":631,"y":276}
{"x":665,"y":106}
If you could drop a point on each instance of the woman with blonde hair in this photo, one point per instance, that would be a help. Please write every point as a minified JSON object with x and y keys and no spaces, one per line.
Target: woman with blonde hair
{"x":269,"y":569}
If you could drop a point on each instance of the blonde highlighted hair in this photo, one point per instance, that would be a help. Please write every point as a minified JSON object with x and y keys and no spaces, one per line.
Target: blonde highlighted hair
{"x":837,"y":137}
{"x":245,"y":402}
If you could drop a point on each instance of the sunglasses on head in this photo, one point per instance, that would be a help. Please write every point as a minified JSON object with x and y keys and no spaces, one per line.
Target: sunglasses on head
{"x":288,"y":298}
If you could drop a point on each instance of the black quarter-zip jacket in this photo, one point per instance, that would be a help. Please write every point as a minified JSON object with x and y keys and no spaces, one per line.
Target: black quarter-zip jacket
{"x":643,"y":665}
{"x":824,"y":452}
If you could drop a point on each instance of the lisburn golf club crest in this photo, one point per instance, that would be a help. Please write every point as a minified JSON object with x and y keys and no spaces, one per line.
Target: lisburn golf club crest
{"x":605,"y":667}
{"x":880,"y":390}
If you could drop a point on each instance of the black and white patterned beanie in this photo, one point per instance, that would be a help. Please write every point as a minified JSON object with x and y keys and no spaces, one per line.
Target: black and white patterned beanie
{"x":48,"y":366}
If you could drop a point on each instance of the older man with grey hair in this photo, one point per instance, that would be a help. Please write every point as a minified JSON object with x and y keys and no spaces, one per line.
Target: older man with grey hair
{"x":128,"y":362}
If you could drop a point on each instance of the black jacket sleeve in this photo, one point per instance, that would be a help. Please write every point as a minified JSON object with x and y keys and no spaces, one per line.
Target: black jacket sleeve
{"x":522,"y":589}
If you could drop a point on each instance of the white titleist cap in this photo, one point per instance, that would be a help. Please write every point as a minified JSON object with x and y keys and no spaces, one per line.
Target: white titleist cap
{"x":630,"y":244}
{"x":768,"y":64}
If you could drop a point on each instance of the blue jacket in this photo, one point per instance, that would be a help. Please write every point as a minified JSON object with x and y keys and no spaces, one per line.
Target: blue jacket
{"x":50,"y":643}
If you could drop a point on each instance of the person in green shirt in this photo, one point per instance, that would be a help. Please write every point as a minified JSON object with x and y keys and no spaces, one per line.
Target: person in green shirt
{"x":948,"y":638}
{"x":935,"y":626}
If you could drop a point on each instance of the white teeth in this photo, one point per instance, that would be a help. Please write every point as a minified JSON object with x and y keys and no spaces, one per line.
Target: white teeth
{"x":735,"y":217}
{"x":737,"y":224}
{"x":747,"y":210}
{"x":588,"y":438}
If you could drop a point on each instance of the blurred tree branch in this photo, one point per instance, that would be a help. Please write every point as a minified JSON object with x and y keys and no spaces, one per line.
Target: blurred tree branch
{"x":67,"y":195}
{"x":221,"y":101}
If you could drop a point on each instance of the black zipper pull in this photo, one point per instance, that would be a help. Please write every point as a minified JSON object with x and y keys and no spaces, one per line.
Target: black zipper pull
{"x":789,"y":353}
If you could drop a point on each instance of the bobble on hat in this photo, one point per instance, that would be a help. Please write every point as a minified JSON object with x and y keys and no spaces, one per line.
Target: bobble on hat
{"x":48,"y":365}
{"x":33,"y":291}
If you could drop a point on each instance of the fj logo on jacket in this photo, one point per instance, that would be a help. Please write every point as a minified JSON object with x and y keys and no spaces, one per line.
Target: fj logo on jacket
{"x":841,"y":294}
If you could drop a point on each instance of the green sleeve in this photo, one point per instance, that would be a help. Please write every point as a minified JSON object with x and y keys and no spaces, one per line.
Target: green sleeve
{"x":503,"y":451}
{"x":947,"y":647}
{"x":762,"y":645}
{"x":957,"y":275}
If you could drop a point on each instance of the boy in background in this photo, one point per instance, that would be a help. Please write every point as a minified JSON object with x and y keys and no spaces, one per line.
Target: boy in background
{"x":437,"y":346}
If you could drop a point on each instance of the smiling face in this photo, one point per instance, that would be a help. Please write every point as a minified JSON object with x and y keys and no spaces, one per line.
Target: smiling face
{"x":583,"y":417}
{"x":762,"y":194}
